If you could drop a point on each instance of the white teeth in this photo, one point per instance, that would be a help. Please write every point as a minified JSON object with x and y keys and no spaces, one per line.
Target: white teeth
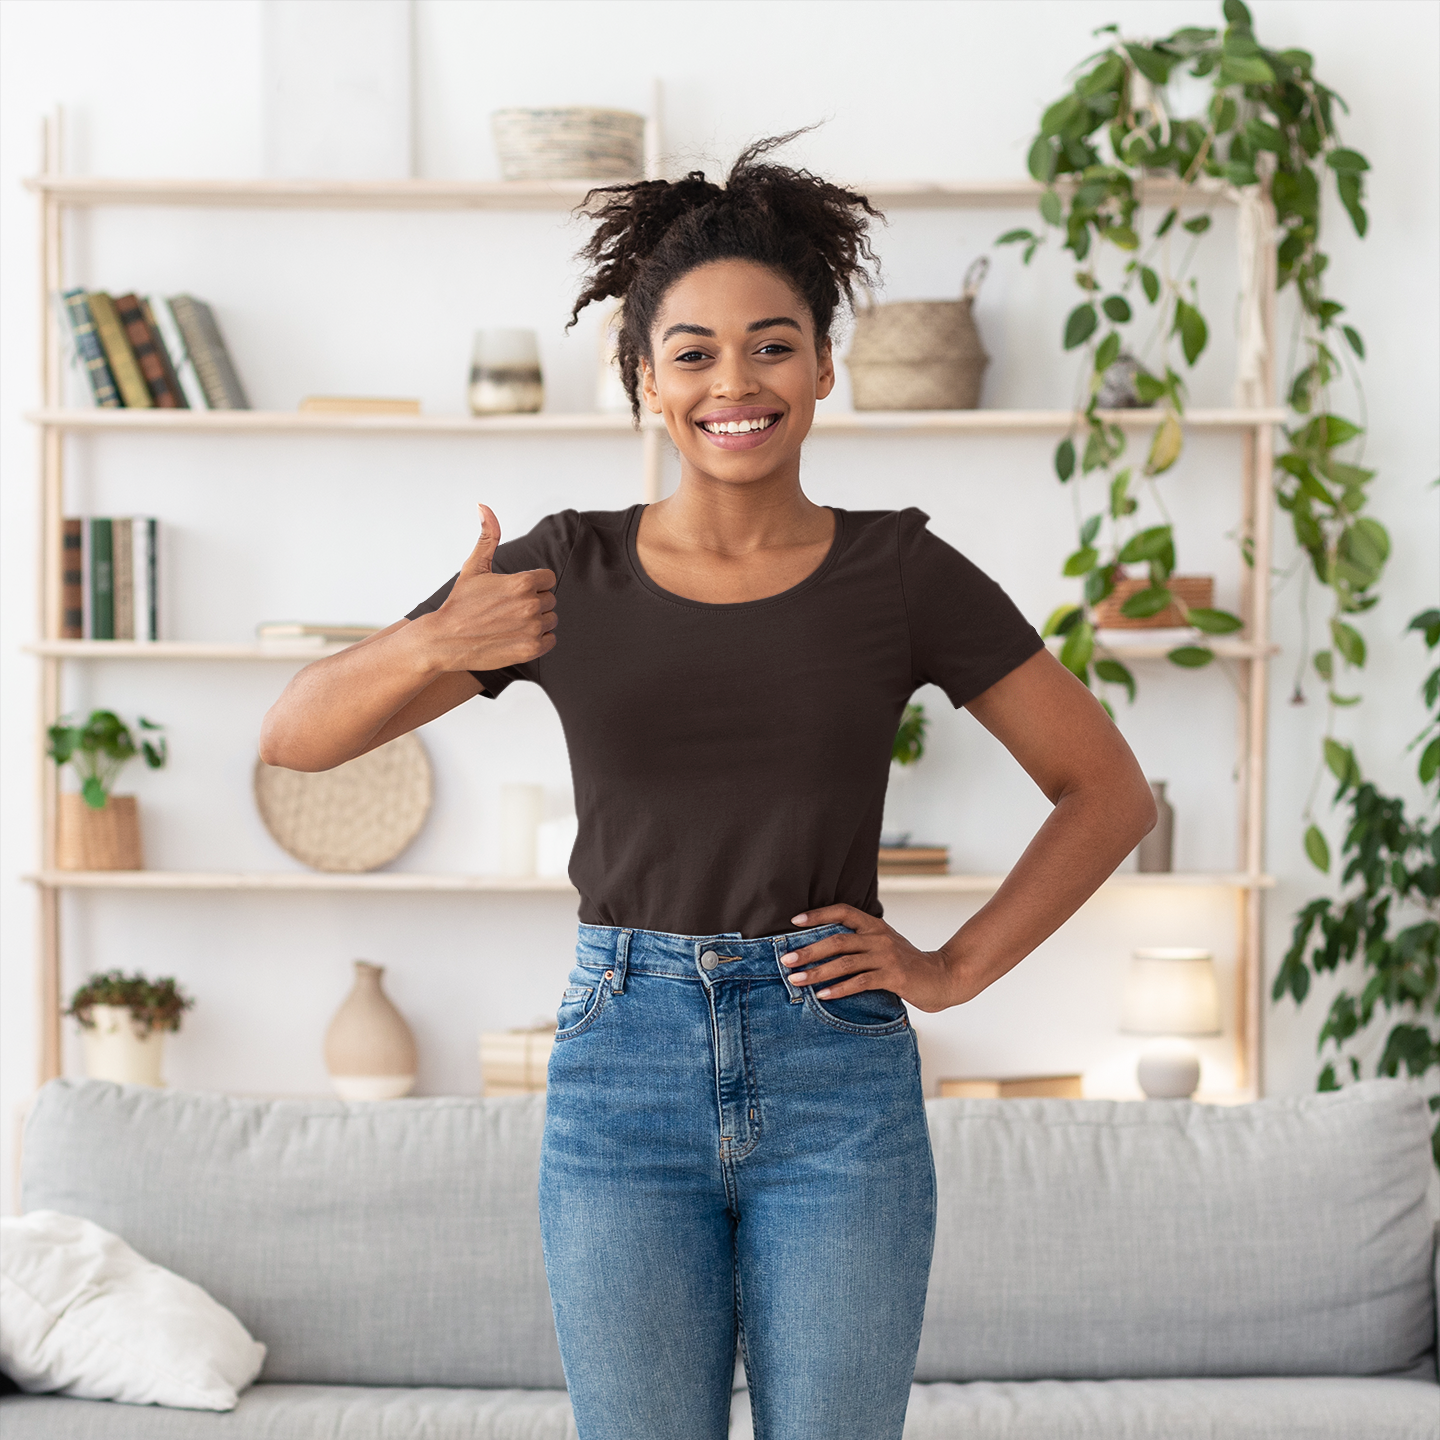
{"x":737,"y":427}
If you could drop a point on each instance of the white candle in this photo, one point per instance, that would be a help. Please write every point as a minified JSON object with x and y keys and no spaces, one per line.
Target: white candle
{"x":520,"y":810}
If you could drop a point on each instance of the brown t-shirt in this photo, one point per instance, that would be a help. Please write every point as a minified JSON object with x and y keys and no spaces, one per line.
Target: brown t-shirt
{"x":730,"y":761}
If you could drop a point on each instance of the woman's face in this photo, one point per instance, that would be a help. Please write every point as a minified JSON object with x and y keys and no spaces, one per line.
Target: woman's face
{"x":736,"y":371}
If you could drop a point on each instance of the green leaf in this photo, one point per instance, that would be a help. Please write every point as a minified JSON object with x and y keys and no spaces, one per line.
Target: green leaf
{"x":1116,"y":674}
{"x":1341,"y":761}
{"x":1121,"y":501}
{"x":1429,"y":761}
{"x":1079,"y":646}
{"x":1169,"y":219}
{"x":1264,"y":137}
{"x":93,"y":793}
{"x":1428,"y":623}
{"x":1154,"y":65}
{"x":1236,"y":13}
{"x":1080,"y":325}
{"x":1324,"y":664}
{"x":1165,"y":447}
{"x":1065,"y":459}
{"x":1192,"y":329}
{"x":1214,"y":622}
{"x":1145,"y":603}
{"x":1245,"y":70}
{"x":1060,"y":114}
{"x":1090,"y":529}
{"x":1107,"y":353}
{"x":1353,"y":336}
{"x":1192,"y":657}
{"x":1149,"y":388}
{"x":1150,"y":283}
{"x":1317,"y":848}
{"x":1199,"y":225}
{"x":1041,"y":160}
{"x":1051,"y":209}
{"x":1082,"y":560}
{"x":1123,"y":236}
{"x":1343,"y":699}
{"x":1014,"y":237}
{"x":1348,"y":641}
{"x":1366,"y":544}
{"x":1146,"y":544}
{"x":1116,"y":308}
{"x":1062,"y":619}
{"x":1351,"y":161}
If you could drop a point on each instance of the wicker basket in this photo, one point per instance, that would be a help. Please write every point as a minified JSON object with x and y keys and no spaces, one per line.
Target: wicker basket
{"x":90,"y":839}
{"x":1196,"y":591}
{"x":573,"y":143}
{"x":919,"y":354}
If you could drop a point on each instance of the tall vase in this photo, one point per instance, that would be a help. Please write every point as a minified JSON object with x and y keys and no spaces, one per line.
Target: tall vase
{"x":1154,"y":853}
{"x":116,"y":1050}
{"x":369,"y":1050}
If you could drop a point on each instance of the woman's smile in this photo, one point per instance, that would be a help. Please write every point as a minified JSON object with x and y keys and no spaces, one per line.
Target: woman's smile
{"x":741,"y":427}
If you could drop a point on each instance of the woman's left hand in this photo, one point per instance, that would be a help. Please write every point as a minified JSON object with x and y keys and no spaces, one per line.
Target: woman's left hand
{"x":874,"y":957}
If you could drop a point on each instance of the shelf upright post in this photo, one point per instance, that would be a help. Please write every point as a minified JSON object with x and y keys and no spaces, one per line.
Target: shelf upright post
{"x":52,"y":492}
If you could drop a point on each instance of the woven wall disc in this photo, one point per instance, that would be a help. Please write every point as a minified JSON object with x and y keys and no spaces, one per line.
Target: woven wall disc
{"x":358,"y":816}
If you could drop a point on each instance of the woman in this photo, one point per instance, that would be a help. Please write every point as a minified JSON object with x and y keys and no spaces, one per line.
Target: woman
{"x":735,"y":1146}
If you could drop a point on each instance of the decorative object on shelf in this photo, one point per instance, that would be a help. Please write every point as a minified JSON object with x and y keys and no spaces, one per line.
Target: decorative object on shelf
{"x":1018,"y":1087}
{"x":572,"y":142}
{"x":95,"y":829}
{"x":521,"y":807}
{"x":1187,"y":593}
{"x":905,"y":859}
{"x":292,"y":633}
{"x":358,"y":816}
{"x":206,"y":348}
{"x":110,"y":577}
{"x":1118,"y":389}
{"x":554,"y":842}
{"x":357,"y":405}
{"x":1155,"y":852}
{"x":919,"y":354}
{"x":610,"y":396}
{"x":369,"y":1049}
{"x":908,"y":747}
{"x":89,"y":353}
{"x":505,"y":374}
{"x":134,"y":392}
{"x":123,"y":1022}
{"x":1170,"y":993}
{"x":150,"y":356}
{"x":514,"y":1062}
{"x":173,"y":352}
{"x":1270,"y":133}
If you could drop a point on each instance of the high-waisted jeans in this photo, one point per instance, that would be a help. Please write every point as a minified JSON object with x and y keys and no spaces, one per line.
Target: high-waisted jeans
{"x":726,"y":1157}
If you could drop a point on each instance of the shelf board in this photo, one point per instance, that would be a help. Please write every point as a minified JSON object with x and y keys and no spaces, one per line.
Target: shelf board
{"x":91,"y":190}
{"x":401,"y":882}
{"x":827,"y":422}
{"x":1156,"y":644}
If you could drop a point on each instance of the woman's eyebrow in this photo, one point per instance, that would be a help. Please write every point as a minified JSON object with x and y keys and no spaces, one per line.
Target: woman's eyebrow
{"x":774,"y":320}
{"x":688,"y":330}
{"x":749,"y":329}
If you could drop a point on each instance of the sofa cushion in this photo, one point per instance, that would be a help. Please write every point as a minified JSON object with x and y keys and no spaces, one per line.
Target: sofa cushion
{"x":1097,"y":1239}
{"x":394,"y":1243}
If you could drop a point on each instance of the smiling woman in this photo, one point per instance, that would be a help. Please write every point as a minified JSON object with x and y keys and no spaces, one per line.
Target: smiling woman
{"x":735,"y":1140}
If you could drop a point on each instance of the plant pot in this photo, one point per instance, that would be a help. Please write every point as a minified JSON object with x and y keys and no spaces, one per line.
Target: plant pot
{"x":89,"y":839}
{"x":1197,"y":592}
{"x":115,"y":1049}
{"x":369,"y":1050}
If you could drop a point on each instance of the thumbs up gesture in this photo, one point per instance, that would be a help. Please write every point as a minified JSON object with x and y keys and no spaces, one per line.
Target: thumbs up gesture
{"x":489,"y":621}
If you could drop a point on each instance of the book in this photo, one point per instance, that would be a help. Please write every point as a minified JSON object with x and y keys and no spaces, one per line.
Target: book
{"x":143,"y":342}
{"x":134,"y":392}
{"x":221,"y":384}
{"x":146,"y":569}
{"x":358,"y":405}
{"x":72,"y":580}
{"x":162,"y":351}
{"x":89,"y":350}
{"x":102,"y":580}
{"x":293,"y":633}
{"x":157,"y":310}
{"x":914,"y":860}
{"x":1020,"y":1087}
{"x":122,"y":538}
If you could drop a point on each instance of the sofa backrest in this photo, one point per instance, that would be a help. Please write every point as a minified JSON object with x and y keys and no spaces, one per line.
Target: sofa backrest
{"x":1098,"y":1239}
{"x":395,"y":1243}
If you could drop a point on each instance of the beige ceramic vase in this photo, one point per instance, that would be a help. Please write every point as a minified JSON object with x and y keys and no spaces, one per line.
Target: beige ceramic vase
{"x":116,"y":1049}
{"x":369,"y":1050}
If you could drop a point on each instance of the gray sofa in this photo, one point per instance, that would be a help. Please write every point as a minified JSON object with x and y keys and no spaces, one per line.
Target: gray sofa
{"x":1101,"y":1269}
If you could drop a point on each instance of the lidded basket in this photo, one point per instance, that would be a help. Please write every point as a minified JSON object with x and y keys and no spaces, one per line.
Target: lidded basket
{"x":573,"y":142}
{"x":919,"y":354}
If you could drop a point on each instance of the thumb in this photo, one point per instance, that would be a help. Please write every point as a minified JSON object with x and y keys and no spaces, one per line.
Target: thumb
{"x":479,"y":561}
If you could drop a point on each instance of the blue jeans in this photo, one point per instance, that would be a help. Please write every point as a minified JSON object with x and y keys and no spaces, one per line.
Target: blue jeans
{"x":725,"y":1157}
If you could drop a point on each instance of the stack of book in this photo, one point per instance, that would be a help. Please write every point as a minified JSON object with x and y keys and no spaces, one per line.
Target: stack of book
{"x":152,"y":353}
{"x":110,"y":577}
{"x":313,"y":637}
{"x":914,"y":859}
{"x":514,"y":1062}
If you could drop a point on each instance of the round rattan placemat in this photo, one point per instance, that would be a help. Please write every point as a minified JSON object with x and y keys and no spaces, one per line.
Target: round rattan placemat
{"x":358,"y":816}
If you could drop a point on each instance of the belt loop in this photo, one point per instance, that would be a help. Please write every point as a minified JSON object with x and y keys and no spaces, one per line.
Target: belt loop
{"x":621,"y":962}
{"x":796,"y":995}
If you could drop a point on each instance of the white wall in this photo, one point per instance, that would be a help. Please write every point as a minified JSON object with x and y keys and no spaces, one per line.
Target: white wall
{"x":342,"y":529}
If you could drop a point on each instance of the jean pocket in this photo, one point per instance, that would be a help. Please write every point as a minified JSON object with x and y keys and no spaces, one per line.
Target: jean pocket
{"x":579,"y":1007}
{"x":871,"y":1012}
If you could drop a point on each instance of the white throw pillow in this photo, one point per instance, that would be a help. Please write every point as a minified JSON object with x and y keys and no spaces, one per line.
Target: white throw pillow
{"x":82,"y":1313}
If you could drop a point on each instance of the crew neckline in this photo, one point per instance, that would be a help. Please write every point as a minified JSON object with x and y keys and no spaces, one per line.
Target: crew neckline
{"x":632,"y":531}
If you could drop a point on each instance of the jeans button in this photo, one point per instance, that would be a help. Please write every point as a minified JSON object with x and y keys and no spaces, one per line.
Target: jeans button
{"x":709,"y":960}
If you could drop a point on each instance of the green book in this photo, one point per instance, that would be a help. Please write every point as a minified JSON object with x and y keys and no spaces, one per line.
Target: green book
{"x":102,"y":579}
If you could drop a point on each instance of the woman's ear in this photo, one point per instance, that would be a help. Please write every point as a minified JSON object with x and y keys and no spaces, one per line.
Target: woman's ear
{"x":825,"y":373}
{"x":648,"y":393}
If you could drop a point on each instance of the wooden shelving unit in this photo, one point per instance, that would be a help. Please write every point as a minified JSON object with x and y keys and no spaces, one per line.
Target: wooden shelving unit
{"x":1248,"y":652}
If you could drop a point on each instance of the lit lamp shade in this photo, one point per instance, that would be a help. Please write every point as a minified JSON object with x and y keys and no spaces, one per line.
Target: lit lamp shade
{"x":1170,"y":991}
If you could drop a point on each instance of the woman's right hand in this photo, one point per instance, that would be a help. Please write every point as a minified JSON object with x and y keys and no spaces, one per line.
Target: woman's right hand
{"x":489,"y":621}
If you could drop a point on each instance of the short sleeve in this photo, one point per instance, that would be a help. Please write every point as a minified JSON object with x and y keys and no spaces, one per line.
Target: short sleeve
{"x":965,"y":631}
{"x":547,"y":546}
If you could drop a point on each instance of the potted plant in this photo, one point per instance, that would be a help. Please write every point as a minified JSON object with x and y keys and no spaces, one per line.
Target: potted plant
{"x":98,"y":830}
{"x":123,"y":1020}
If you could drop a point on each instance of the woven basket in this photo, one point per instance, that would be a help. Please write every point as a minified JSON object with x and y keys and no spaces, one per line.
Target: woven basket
{"x":1196,"y":591}
{"x":90,"y":839}
{"x":919,"y":354}
{"x":573,"y":143}
{"x":358,"y":816}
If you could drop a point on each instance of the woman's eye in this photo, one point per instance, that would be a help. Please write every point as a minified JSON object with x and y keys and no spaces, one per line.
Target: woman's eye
{"x":687,"y":357}
{"x":775,"y":347}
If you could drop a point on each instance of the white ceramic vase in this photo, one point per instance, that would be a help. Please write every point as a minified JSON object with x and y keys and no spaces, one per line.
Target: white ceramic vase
{"x":115,"y":1049}
{"x":369,"y":1050}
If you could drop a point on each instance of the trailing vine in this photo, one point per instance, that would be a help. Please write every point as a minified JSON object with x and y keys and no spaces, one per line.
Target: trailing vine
{"x":1269,"y":129}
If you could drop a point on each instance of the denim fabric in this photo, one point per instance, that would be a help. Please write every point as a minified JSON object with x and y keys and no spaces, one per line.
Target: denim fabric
{"x":726,"y":1155}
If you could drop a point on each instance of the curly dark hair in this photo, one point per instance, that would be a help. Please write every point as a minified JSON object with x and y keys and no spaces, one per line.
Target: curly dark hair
{"x":650,"y":233}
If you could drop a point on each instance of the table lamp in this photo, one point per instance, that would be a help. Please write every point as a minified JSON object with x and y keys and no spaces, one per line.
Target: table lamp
{"x":1170,"y":992}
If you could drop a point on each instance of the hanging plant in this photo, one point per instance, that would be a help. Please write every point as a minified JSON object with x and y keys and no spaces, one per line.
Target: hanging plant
{"x":1269,"y":128}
